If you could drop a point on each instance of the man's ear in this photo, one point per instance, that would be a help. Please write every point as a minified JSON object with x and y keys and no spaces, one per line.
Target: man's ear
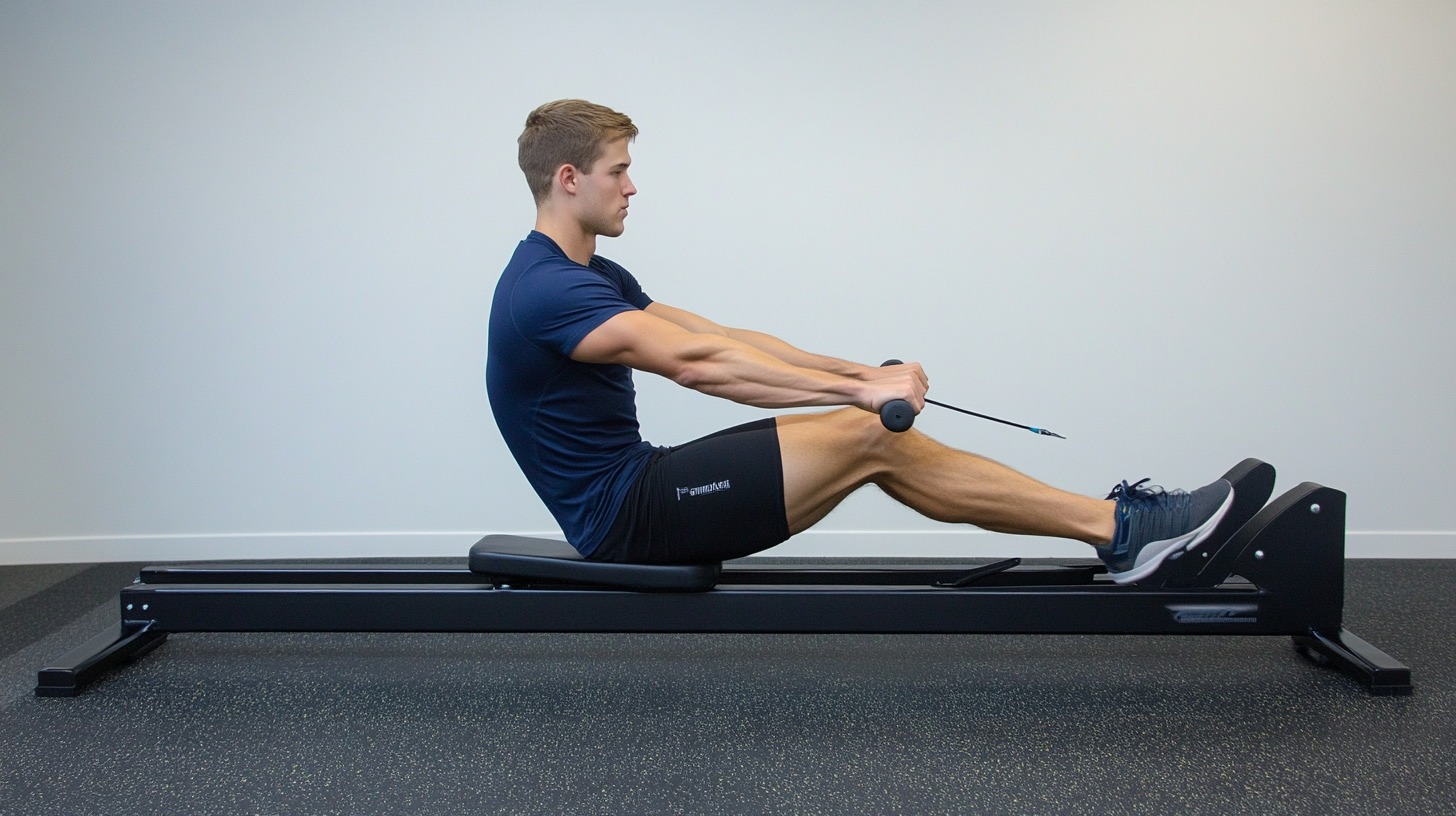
{"x":566,"y":177}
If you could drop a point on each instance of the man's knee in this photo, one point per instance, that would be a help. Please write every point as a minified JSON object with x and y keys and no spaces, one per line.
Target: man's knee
{"x":825,"y":458}
{"x":848,"y":431}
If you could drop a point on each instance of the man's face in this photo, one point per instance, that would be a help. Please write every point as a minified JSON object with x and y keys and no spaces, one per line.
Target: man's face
{"x":602,"y":193}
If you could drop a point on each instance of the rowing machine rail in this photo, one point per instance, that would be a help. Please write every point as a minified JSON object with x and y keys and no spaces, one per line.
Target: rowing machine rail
{"x":1281,"y":573}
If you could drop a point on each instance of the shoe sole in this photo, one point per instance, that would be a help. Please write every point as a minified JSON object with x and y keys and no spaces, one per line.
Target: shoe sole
{"x":1162,"y":549}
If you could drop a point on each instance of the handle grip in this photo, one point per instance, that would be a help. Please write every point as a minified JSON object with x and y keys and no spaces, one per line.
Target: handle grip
{"x":896,"y":415}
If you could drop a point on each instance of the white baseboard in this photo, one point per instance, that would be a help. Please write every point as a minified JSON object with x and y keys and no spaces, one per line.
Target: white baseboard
{"x":430,"y":544}
{"x":236,"y":546}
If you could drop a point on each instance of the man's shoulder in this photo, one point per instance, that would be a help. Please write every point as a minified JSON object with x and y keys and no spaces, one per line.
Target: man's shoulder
{"x":538,"y":253}
{"x":541,"y":277}
{"x":536,"y":250}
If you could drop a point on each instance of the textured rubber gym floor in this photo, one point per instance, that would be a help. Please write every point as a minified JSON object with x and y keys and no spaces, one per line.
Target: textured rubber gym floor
{"x":402,"y":724}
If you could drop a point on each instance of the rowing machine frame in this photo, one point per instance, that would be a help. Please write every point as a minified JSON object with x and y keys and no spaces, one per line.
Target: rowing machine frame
{"x":1281,"y":573}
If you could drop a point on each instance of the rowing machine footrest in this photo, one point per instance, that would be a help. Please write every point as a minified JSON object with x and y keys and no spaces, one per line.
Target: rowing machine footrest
{"x":509,"y":559}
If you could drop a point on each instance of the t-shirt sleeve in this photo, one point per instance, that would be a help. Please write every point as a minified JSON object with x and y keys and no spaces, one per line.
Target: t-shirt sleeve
{"x":630,"y":288}
{"x":557,"y":306}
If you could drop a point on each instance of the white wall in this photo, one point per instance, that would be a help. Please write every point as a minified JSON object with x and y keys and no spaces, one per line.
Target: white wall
{"x":246,"y":249}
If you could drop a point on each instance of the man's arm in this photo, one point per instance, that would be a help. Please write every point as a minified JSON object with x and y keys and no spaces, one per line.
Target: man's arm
{"x":766,"y":343}
{"x":706,"y":357}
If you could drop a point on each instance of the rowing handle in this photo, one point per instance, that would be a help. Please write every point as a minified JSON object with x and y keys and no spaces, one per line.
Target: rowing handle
{"x":896,"y":415}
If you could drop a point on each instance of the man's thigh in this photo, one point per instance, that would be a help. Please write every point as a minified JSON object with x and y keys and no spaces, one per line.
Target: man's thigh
{"x":712,"y":499}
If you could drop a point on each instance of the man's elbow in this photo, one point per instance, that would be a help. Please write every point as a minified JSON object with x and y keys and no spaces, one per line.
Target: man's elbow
{"x":701,"y":364}
{"x":692,"y":374}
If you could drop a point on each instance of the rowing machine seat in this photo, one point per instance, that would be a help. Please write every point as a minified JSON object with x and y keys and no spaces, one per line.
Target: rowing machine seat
{"x":509,"y":558}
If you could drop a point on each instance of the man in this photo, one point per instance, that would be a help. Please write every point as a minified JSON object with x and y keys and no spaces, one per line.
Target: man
{"x":567,"y":327}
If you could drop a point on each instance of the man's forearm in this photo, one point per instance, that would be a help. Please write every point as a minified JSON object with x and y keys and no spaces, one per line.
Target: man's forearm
{"x":734,"y":368}
{"x":771,"y":345}
{"x":765,"y":343}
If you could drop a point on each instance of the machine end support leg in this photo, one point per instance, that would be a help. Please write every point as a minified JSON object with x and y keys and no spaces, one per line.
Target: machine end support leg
{"x":77,"y":668}
{"x":1380,"y":673}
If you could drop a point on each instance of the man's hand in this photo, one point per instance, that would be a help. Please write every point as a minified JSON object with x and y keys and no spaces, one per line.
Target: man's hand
{"x":906,"y":381}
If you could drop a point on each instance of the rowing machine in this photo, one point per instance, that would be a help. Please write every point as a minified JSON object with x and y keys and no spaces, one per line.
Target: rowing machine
{"x":1278,"y":570}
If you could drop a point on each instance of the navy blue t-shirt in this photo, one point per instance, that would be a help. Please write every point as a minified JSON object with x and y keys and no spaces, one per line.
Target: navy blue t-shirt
{"x":571,"y":426}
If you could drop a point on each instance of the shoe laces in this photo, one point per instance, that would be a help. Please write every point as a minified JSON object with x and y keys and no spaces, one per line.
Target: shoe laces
{"x":1148,"y":509}
{"x":1136,"y":495}
{"x":1135,"y":492}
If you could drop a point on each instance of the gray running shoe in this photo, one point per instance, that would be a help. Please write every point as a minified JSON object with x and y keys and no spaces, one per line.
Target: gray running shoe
{"x":1153,"y":523}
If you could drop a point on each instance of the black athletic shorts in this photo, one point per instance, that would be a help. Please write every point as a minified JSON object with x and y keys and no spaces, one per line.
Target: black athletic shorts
{"x":713,"y":499}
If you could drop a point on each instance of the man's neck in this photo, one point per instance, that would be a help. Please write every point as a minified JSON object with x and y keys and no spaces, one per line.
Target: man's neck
{"x":578,"y":244}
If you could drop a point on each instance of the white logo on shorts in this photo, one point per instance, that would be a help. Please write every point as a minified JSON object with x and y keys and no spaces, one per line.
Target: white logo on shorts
{"x":703,"y":490}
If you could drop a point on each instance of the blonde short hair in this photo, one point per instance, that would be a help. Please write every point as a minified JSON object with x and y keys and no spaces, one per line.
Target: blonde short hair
{"x":567,"y":131}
